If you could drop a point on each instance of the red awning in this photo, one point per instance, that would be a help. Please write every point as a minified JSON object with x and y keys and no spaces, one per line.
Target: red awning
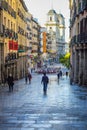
{"x":15,"y":44}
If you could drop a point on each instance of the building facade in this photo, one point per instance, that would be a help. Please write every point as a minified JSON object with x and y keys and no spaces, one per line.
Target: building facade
{"x":8,"y":38}
{"x":19,"y":36}
{"x":35,"y":41}
{"x":78,"y":44}
{"x":22,"y":38}
{"x":29,"y":40}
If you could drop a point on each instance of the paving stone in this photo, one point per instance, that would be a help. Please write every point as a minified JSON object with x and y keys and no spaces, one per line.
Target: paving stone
{"x":63,"y":108}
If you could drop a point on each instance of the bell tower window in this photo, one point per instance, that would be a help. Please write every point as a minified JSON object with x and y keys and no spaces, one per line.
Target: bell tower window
{"x":50,"y":18}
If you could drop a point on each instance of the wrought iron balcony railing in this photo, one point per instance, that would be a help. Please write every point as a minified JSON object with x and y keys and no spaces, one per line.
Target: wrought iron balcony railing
{"x":79,"y":39}
{"x":4,"y":5}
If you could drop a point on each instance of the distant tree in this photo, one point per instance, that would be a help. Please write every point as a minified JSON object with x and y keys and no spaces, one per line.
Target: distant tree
{"x":65,"y":60}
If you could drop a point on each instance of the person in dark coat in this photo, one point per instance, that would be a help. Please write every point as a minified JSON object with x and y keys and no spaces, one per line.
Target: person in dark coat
{"x":26,"y":78}
{"x":60,"y":73}
{"x":29,"y":77}
{"x":45,"y":81}
{"x":10,"y":82}
{"x":66,"y":74}
{"x":58,"y":76}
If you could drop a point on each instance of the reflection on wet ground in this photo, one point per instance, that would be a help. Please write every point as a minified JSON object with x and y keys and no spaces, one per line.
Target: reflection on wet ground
{"x":63,"y":108}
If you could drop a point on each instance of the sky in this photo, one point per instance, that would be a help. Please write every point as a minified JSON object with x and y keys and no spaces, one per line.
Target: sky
{"x":40,"y":8}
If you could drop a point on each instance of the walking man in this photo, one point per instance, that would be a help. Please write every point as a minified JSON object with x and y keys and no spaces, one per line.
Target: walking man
{"x":45,"y":81}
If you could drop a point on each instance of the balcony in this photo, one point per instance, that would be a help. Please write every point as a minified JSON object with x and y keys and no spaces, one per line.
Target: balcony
{"x":10,"y":57}
{"x":4,"y":5}
{"x":79,"y":39}
{"x":84,"y":4}
{"x":81,"y":7}
{"x":13,"y":13}
{"x":83,"y":37}
{"x":74,"y":40}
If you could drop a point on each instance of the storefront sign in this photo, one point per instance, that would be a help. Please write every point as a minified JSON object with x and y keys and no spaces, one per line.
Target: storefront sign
{"x":13,"y":45}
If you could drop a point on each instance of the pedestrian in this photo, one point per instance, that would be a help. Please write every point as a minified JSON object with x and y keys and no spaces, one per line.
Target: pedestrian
{"x":26,"y":78}
{"x":45,"y":81}
{"x":29,"y":77}
{"x":58,"y":76}
{"x":10,"y":82}
{"x":66,"y":74}
{"x":60,"y":73}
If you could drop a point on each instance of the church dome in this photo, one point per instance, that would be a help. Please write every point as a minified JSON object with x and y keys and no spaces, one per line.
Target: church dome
{"x":61,"y":19}
{"x":51,"y":12}
{"x":60,"y":15}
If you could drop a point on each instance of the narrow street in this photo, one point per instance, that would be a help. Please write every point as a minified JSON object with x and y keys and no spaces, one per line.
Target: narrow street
{"x":26,"y":108}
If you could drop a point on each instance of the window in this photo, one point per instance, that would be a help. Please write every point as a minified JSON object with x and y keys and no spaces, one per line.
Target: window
{"x":5,"y":21}
{"x":78,"y":28}
{"x":50,"y":27}
{"x":61,"y":32}
{"x":50,"y":18}
{"x":14,"y":27}
{"x":9,"y":24}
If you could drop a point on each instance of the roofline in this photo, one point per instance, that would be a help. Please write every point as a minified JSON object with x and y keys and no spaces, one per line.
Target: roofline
{"x":24,"y":5}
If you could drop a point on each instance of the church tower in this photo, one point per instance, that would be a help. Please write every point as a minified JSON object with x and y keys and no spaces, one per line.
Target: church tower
{"x":56,"y":30}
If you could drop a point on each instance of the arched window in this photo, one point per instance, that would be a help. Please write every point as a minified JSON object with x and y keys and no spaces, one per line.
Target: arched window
{"x":8,"y":23}
{"x":50,"y":27}
{"x":50,"y":18}
{"x":5,"y":21}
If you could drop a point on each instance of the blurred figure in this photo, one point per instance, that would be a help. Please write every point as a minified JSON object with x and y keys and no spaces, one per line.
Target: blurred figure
{"x":66,"y":74}
{"x":58,"y":76}
{"x":60,"y":73}
{"x":29,"y":77}
{"x":26,"y":78}
{"x":10,"y":82}
{"x":45,"y":81}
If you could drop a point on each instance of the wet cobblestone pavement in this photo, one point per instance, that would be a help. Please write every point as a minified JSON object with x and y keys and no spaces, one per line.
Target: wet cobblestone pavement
{"x":26,"y":108}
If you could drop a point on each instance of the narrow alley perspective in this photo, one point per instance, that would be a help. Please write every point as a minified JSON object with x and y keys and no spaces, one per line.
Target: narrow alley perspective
{"x":27,"y":108}
{"x":43,"y":64}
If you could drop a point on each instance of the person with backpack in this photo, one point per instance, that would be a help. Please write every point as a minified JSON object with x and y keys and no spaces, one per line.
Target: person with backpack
{"x":45,"y":81}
